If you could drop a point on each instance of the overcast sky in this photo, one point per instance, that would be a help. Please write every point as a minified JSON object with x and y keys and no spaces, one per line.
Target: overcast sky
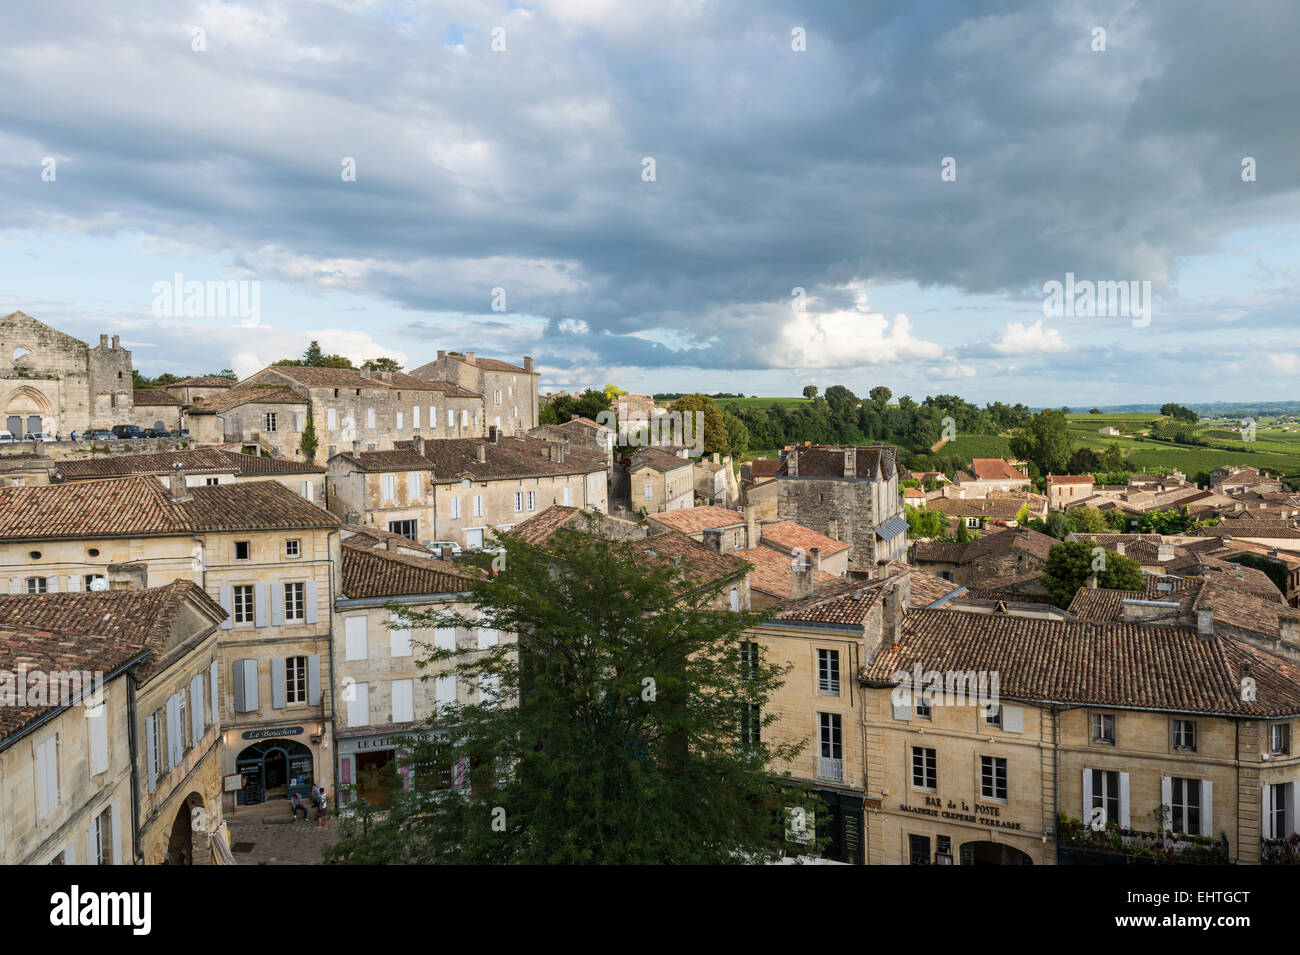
{"x":793,"y":146}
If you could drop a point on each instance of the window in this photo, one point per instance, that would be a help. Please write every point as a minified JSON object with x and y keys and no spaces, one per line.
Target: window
{"x":97,"y":729}
{"x":241,"y":550}
{"x":112,"y":401}
{"x":828,"y":672}
{"x":388,"y":487}
{"x":993,"y":777}
{"x":183,"y":730}
{"x":331,"y":418}
{"x":399,"y":421}
{"x":993,"y":716}
{"x":370,"y":417}
{"x":403,"y":693}
{"x":1103,"y":728}
{"x":748,"y":660}
{"x":532,"y":500}
{"x":519,"y":501}
{"x":295,"y":680}
{"x":415,"y":416}
{"x":751,"y":721}
{"x":101,"y":842}
{"x":925,"y":768}
{"x":354,"y":638}
{"x":1185,"y":808}
{"x":918,"y":850}
{"x":921,"y":704}
{"x":464,"y":418}
{"x":268,"y":422}
{"x":451,"y":418}
{"x":153,"y":734}
{"x":297,"y":421}
{"x":293,"y":548}
{"x":454,"y":505}
{"x":413,"y":486}
{"x":1279,"y":739}
{"x":830,"y":738}
{"x":357,"y":696}
{"x":243,"y":594}
{"x":407,"y":529}
{"x":308,"y":490}
{"x":496,"y":397}
{"x":649,"y":491}
{"x":211,"y":482}
{"x":478,"y":505}
{"x":433,"y":418}
{"x":1185,"y":735}
{"x":1105,"y":795}
{"x":1277,"y":825}
{"x":36,"y":585}
{"x":295,"y":601}
{"x":568,"y":496}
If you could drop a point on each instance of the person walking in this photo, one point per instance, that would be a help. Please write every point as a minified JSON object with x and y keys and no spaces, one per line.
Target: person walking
{"x":320,"y":812}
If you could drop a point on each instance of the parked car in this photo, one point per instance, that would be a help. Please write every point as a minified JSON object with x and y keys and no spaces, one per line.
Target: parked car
{"x":128,"y":431}
{"x":99,"y":434}
{"x":7,"y":437}
{"x":156,"y":433}
{"x":437,"y":546}
{"x":181,"y":433}
{"x":38,"y":436}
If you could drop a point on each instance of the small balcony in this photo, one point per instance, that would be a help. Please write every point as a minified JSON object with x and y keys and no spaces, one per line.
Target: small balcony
{"x":828,"y":768}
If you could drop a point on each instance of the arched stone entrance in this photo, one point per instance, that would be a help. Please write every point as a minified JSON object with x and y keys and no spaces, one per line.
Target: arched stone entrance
{"x":189,"y":843}
{"x":274,"y":769}
{"x":26,"y":410}
{"x":984,"y":852}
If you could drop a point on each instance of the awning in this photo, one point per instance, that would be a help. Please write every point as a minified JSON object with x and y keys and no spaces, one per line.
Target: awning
{"x":892,"y":528}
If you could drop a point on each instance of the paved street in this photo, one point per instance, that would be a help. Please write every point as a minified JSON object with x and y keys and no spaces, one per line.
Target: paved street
{"x":280,"y":843}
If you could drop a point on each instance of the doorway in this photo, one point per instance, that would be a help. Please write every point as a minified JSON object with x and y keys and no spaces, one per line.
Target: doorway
{"x":992,"y":853}
{"x":274,"y":769}
{"x":375,"y":772}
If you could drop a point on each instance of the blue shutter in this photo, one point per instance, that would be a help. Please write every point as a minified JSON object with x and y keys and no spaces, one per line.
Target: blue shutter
{"x":277,"y":605}
{"x":237,"y":680}
{"x":226,"y":605}
{"x":150,"y":734}
{"x":313,"y":679}
{"x":277,"y":683}
{"x":259,"y":604}
{"x":310,"y":599}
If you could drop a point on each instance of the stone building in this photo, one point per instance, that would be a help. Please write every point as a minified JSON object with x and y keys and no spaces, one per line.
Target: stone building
{"x":509,"y":391}
{"x":170,"y":698}
{"x":261,"y":414}
{"x":54,"y":383}
{"x":849,"y":494}
{"x":158,"y":409}
{"x":661,"y":481}
{"x":461,"y":490}
{"x":1010,"y":559}
{"x":265,"y":555}
{"x":193,"y":390}
{"x":361,"y":410}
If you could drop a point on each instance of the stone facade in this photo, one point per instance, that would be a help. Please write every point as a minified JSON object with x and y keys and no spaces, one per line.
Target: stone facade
{"x":509,"y":391}
{"x":54,"y":383}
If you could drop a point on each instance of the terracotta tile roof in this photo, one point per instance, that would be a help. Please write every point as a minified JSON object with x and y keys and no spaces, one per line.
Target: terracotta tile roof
{"x":764,"y":467}
{"x":703,"y":565}
{"x":692,"y":520}
{"x":311,"y":377}
{"x":773,"y":574}
{"x":192,"y":461}
{"x":148,"y":397}
{"x":787,"y":535}
{"x":1016,"y":538}
{"x":540,"y":528}
{"x":579,"y":423}
{"x":1144,"y":548}
{"x":246,"y":394}
{"x":1231,"y":604}
{"x":1100,"y":664}
{"x":870,"y":463}
{"x":1263,"y":529}
{"x":1053,"y":479}
{"x":1005,"y":508}
{"x":996,"y":469}
{"x":372,"y":538}
{"x":140,"y":506}
{"x":844,"y":602}
{"x":55,"y":651}
{"x":453,"y":459}
{"x":659,"y":459}
{"x":1006,"y":596}
{"x":144,"y":618}
{"x":375,"y":573}
{"x":926,"y":588}
{"x":204,"y":381}
{"x":491,"y":364}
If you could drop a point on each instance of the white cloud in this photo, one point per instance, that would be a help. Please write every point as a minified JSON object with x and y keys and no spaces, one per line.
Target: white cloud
{"x":849,"y":337}
{"x":1035,"y":339}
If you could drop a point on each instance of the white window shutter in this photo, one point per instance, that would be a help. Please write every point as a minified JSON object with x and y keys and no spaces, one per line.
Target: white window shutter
{"x":277,"y":683}
{"x":313,"y":679}
{"x":487,"y":638}
{"x":97,"y":728}
{"x":1266,"y":816}
{"x":1207,"y":807}
{"x":403,"y":701}
{"x":115,"y":837}
{"x":70,"y":855}
{"x":445,"y":690}
{"x":196,"y":707}
{"x":150,"y":741}
{"x":1123,"y":800}
{"x":1087,"y":796}
{"x":52,"y":584}
{"x":227,"y":605}
{"x":399,"y":641}
{"x":902,"y":703}
{"x":15,"y":585}
{"x":354,"y":638}
{"x":1290,"y":791}
{"x":212,"y":692}
{"x":261,"y":603}
{"x":444,"y":638}
{"x":309,"y":597}
{"x":413,"y":485}
{"x":359,"y":705}
{"x":74,"y":583}
{"x":1167,"y":800}
{"x":277,"y":604}
{"x":1013,"y":719}
{"x":172,"y":729}
{"x":92,"y":852}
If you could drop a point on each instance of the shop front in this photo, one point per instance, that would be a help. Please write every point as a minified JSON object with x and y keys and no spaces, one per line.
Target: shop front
{"x":370,"y":765}
{"x":933,"y":830}
{"x":273,"y":765}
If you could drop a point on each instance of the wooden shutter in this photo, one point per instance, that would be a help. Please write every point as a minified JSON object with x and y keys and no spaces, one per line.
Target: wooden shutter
{"x":313,"y":679}
{"x":97,"y":728}
{"x":171,"y":731}
{"x":444,"y":638}
{"x":1289,"y":793}
{"x":309,"y":602}
{"x":212,"y":691}
{"x":74,"y":583}
{"x":359,"y":705}
{"x":277,"y":683}
{"x":354,"y":638}
{"x":1123,"y":800}
{"x":227,"y":605}
{"x":1167,"y":799}
{"x":277,"y":604}
{"x":1013,"y":719}
{"x":92,"y":853}
{"x":1087,"y":797}
{"x":445,"y":690}
{"x":52,"y":584}
{"x":902,"y":703}
{"x":196,"y":708}
{"x":403,"y":701}
{"x":115,"y":837}
{"x":150,"y":741}
{"x":1207,"y":808}
{"x":261,"y":602}
{"x":47,"y":787}
{"x":1266,"y":816}
{"x":399,"y":640}
{"x":15,"y":585}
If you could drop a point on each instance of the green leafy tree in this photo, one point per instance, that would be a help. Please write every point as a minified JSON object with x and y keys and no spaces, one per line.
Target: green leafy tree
{"x":810,"y":391}
{"x":1087,"y":520}
{"x":626,"y":731}
{"x":315,"y":357}
{"x":716,"y":434}
{"x":1179,"y":412}
{"x":226,"y":373}
{"x":1044,"y":441}
{"x":1058,"y":525}
{"x":308,"y":443}
{"x":922,"y":522}
{"x":737,"y":434}
{"x":381,"y":364}
{"x":1070,"y":564}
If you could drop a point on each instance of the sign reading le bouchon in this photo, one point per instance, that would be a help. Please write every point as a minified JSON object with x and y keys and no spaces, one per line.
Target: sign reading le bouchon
{"x":267,"y":734}
{"x":961,"y":812}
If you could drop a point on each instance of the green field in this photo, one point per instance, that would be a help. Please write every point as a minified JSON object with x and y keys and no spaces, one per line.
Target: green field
{"x":760,"y":402}
{"x":1272,"y":450}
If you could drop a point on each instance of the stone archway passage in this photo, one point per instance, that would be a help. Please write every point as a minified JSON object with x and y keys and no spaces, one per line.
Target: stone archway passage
{"x":984,"y":852}
{"x":26,"y":411}
{"x":189,"y":844}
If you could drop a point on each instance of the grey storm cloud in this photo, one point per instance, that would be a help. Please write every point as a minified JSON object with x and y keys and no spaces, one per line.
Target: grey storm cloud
{"x":774,"y":168}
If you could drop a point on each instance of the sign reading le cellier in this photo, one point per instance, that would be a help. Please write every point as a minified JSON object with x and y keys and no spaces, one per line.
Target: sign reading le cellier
{"x":961,"y":812}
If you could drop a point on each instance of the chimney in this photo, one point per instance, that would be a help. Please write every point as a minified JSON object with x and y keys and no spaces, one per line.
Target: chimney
{"x":560,"y":452}
{"x":117,"y":342}
{"x":803,"y":578}
{"x":441,"y":354}
{"x":365,"y":372}
{"x":128,"y":576}
{"x":386,"y":375}
{"x":815,"y":558}
{"x":1205,"y":621}
{"x":103,"y":341}
{"x":528,"y":363}
{"x":445,"y":553}
{"x":176,"y":484}
{"x":1288,"y":628}
{"x":892,"y":610}
{"x":471,"y":358}
{"x":417,"y":444}
{"x":713,"y":539}
{"x":480,"y":450}
{"x":850,"y":462}
{"x":752,"y":533}
{"x":1119,"y":548}
{"x":356,"y":447}
{"x":1092,"y":582}
{"x":792,"y":463}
